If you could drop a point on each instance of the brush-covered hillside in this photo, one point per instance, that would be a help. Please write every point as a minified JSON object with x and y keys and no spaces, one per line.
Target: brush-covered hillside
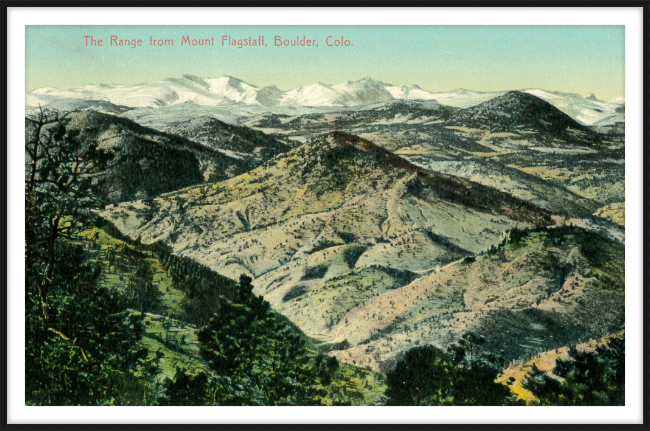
{"x":146,"y":162}
{"x":516,"y":111}
{"x":538,"y":290}
{"x":237,"y":141}
{"x":516,"y":142}
{"x":307,"y":223}
{"x":175,"y":297}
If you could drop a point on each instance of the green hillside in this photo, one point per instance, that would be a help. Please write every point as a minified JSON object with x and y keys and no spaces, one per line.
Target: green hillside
{"x":174,"y":342}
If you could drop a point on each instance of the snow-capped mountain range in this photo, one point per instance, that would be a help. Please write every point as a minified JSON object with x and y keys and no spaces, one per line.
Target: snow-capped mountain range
{"x":229,"y":90}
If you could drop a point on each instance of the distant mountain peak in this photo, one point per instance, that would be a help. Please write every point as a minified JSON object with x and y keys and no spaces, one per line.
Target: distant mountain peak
{"x":192,"y":77}
{"x":269,"y":96}
{"x":518,"y":95}
{"x":226,"y":89}
{"x":233,"y":81}
{"x":314,"y":85}
{"x":195,"y":79}
{"x":521,"y":99}
{"x":231,"y":78}
{"x":515,"y":110}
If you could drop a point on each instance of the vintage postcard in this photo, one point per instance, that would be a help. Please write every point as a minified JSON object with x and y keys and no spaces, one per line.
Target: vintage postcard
{"x":325,"y":215}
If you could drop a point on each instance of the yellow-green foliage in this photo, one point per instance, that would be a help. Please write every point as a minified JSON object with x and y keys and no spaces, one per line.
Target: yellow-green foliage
{"x":614,"y":212}
{"x":360,"y":386}
{"x":515,"y":375}
{"x":118,"y":259}
{"x":175,"y":343}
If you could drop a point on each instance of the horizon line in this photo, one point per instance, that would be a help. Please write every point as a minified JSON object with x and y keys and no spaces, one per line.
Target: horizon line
{"x":367,"y":78}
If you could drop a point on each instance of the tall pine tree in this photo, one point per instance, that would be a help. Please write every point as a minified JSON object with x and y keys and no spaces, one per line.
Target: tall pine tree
{"x":81,"y":345}
{"x":248,"y":342}
{"x":583,"y":379}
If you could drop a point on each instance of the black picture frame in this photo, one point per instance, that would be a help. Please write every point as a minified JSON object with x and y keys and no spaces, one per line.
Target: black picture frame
{"x":6,"y":325}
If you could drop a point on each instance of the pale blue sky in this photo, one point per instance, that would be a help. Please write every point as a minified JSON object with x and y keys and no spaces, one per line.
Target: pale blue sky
{"x":577,"y":59}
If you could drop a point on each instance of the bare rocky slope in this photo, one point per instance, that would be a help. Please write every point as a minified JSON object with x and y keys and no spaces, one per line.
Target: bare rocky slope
{"x":373,"y":255}
{"x":358,"y":247}
{"x":539,"y":290}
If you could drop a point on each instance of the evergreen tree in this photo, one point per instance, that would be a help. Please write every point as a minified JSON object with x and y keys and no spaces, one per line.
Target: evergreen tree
{"x":186,"y":390}
{"x":325,"y":368}
{"x":422,"y":377}
{"x":62,"y":185}
{"x":585,"y":379}
{"x":201,"y":286}
{"x":429,"y":376}
{"x":246,"y":341}
{"x":142,"y":293}
{"x":207,"y":389}
{"x":81,"y":345}
{"x":85,"y":350}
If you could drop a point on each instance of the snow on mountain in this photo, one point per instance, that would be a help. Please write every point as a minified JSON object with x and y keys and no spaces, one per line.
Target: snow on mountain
{"x":135,"y":96}
{"x":172,"y":91}
{"x":409,"y":92}
{"x":516,"y":111}
{"x":465,"y":98}
{"x":45,"y":90}
{"x":363,"y":92}
{"x":318,"y":94}
{"x":618,"y":100}
{"x":353,"y":93}
{"x":228,"y":90}
{"x":586,"y":110}
{"x":233,"y":89}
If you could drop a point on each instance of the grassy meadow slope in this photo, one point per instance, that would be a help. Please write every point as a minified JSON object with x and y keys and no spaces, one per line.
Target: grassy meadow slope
{"x":173,"y":341}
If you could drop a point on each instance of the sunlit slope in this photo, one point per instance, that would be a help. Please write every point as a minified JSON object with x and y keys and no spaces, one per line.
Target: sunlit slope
{"x":173,"y":341}
{"x":537,"y":291}
{"x":335,"y":208}
{"x":614,"y":212}
{"x":515,"y":375}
